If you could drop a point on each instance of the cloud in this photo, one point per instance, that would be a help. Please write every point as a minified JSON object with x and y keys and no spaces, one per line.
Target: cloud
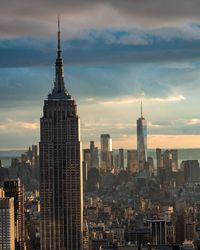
{"x":129,"y":100}
{"x":193,"y":121}
{"x":93,"y":125}
{"x":133,"y":39}
{"x":39,"y":15}
{"x":17,"y":126}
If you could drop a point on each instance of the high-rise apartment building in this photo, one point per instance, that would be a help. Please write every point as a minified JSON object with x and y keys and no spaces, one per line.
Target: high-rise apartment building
{"x":106,"y":152}
{"x":141,"y":141}
{"x":7,"y":224}
{"x":61,"y":187}
{"x":15,"y":189}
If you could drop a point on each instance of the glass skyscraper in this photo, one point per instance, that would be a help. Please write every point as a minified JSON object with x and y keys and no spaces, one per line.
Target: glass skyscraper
{"x":141,"y":141}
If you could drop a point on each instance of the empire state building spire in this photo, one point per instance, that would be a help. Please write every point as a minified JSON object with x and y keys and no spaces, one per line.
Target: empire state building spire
{"x":59,"y":91}
{"x":59,"y":47}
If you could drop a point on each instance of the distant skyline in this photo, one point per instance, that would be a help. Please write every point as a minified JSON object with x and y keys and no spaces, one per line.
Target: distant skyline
{"x":116,"y":54}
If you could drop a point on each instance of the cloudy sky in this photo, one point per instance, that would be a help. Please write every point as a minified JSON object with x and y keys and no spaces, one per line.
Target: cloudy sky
{"x":116,"y":54}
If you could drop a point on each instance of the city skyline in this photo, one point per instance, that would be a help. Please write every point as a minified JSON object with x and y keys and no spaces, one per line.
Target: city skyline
{"x":111,"y":65}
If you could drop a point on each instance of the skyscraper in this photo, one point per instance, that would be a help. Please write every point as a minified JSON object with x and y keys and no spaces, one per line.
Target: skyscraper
{"x":158,"y":231}
{"x":94,"y":163}
{"x":14,"y":188}
{"x":141,"y":141}
{"x":121,"y":158}
{"x":159,"y":158}
{"x":61,"y":190}
{"x":106,"y":152}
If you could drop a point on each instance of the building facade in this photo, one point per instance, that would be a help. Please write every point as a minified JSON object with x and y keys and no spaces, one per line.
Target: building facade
{"x":158,"y":232}
{"x":61,"y":190}
{"x":132,"y":161}
{"x":15,"y":189}
{"x":7,"y":224}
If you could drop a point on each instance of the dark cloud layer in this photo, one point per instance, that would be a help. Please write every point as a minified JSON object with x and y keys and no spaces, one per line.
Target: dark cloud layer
{"x":18,"y":53}
{"x":26,"y":17}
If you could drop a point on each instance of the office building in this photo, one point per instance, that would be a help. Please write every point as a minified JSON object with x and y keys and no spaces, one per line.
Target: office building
{"x":106,"y":153}
{"x":7,"y":224}
{"x":189,"y":229}
{"x":15,"y":189}
{"x":191,"y":170}
{"x":159,"y":158}
{"x":141,"y":141}
{"x":61,"y":187}
{"x":158,"y":232}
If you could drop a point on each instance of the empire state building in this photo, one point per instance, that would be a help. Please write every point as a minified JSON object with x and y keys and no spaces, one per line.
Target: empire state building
{"x":61,"y":190}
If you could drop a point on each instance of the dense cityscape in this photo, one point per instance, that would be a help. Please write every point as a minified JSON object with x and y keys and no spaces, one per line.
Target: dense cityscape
{"x":53,"y":198}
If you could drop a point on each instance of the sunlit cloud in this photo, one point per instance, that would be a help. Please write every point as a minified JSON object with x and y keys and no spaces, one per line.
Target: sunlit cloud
{"x":18,"y":126}
{"x":193,"y":121}
{"x":130,"y":100}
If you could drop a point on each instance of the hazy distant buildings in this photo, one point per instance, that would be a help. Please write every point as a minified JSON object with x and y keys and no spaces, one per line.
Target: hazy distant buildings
{"x":14,"y":188}
{"x":7,"y":224}
{"x":106,"y":153}
{"x":90,"y":159}
{"x":31,"y":156}
{"x":87,"y":158}
{"x":167,"y":166}
{"x":61,"y":190}
{"x":141,"y":141}
{"x":132,"y":161}
{"x":14,"y":162}
{"x":150,"y":163}
{"x":94,"y":155}
{"x":170,"y":159}
{"x":174,"y":157}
